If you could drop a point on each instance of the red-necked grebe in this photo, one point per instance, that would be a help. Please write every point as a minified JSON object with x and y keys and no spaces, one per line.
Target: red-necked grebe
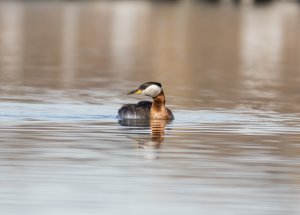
{"x":146,"y":109}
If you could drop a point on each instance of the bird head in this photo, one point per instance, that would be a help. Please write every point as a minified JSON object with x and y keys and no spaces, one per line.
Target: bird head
{"x":152,"y":89}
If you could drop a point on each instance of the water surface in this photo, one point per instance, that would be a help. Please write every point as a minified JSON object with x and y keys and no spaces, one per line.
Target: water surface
{"x":231,"y":75}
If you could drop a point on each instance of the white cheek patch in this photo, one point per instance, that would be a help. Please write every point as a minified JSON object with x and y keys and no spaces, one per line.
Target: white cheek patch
{"x":152,"y":90}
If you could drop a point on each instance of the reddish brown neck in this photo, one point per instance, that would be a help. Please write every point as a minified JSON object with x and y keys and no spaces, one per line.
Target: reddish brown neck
{"x":159,"y":101}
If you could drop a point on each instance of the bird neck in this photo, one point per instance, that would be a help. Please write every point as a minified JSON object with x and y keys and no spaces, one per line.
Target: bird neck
{"x":158,"y":109}
{"x":159,"y":102}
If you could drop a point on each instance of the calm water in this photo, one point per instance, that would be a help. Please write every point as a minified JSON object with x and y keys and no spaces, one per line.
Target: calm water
{"x":231,"y":74}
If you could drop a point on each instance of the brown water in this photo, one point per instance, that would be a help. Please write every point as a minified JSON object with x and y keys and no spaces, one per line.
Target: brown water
{"x":231,"y":74}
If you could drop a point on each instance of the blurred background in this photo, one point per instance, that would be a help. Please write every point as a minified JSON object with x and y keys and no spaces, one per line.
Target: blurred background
{"x":231,"y":74}
{"x":238,"y":51}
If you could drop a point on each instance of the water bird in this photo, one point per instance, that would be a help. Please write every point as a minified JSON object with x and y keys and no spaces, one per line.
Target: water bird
{"x":146,"y":109}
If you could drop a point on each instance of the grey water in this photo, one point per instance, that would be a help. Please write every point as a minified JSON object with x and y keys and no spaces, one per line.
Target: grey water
{"x":231,"y":75}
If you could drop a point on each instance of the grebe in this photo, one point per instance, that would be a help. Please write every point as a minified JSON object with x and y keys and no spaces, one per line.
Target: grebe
{"x":146,"y":109}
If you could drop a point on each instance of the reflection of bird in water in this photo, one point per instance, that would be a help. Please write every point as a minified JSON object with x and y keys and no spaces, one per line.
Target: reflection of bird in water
{"x":146,"y":109}
{"x":157,"y":131}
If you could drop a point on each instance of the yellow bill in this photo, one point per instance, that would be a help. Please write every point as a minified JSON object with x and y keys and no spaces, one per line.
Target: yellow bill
{"x":138,"y":91}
